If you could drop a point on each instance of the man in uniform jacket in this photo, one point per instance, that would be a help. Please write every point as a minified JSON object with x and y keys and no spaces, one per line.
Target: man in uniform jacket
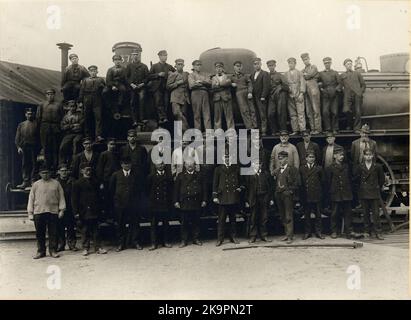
{"x":199,"y":83}
{"x":160,"y":190}
{"x":370,"y":177}
{"x":72,"y":76}
{"x":221,"y":88}
{"x":277,"y":102}
{"x":328,"y":150}
{"x":258,"y":197}
{"x":90,"y":96}
{"x":177,"y":84}
{"x":116,"y":83}
{"x":125,"y":189}
{"x":260,"y":81}
{"x":86,"y":206}
{"x":158,"y":80}
{"x":88,"y":155}
{"x":339,"y":186}
{"x":108,"y":163}
{"x":137,"y":154}
{"x":189,"y":197}
{"x":227,"y":186}
{"x":48,"y":116}
{"x":287,"y":181}
{"x":312,"y":181}
{"x":359,"y":145}
{"x":68,"y":221}
{"x":72,"y":126}
{"x":27,"y":146}
{"x":295,"y":101}
{"x":353,"y":87}
{"x":244,"y":95}
{"x":305,"y":145}
{"x":313,"y":98}
{"x":329,"y":84}
{"x":137,"y":77}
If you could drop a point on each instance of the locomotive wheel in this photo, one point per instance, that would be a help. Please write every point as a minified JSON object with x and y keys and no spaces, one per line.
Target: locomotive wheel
{"x":389,"y":190}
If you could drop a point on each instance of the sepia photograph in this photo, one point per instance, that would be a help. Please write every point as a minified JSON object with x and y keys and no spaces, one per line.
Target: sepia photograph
{"x":202,"y":150}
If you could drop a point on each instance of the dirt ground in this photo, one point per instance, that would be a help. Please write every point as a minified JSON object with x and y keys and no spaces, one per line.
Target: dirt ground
{"x":208,"y":272}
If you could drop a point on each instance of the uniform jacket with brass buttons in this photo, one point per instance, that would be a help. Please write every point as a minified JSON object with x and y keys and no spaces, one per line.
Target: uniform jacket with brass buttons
{"x":338,"y":182}
{"x":189,"y":190}
{"x":370,"y":181}
{"x":85,"y":198}
{"x":227,"y":180}
{"x":312,"y":180}
{"x":160,"y":187}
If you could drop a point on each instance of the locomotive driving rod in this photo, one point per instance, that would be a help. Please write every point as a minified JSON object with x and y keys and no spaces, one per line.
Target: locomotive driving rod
{"x":352,"y":245}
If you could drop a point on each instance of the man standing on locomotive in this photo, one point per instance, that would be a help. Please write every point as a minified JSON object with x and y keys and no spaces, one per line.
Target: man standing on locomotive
{"x":72,"y":76}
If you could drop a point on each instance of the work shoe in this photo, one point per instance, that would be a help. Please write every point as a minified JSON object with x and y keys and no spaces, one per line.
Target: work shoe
{"x":120,"y":248}
{"x":252,"y":240}
{"x":101,"y":251}
{"x":167,"y":245}
{"x":138,"y":247}
{"x":152,"y":248}
{"x":39,"y":255}
{"x":234,"y":240}
{"x":290,"y":240}
{"x":284,"y":238}
{"x":61,"y":248}
{"x":319,"y":236}
{"x":197,"y":242}
{"x":73,"y":248}
{"x":306,"y":236}
{"x":85,"y":252}
{"x":367,"y":235}
{"x":334,"y":235}
{"x":379,"y":236}
{"x":183,"y":244}
{"x":266,"y":239}
{"x":219,"y":243}
{"x":54,"y":254}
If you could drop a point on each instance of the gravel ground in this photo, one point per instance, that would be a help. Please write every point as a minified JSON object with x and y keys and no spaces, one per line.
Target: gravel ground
{"x":208,"y":272}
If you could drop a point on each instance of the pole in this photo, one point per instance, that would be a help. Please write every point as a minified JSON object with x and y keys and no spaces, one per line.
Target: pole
{"x":352,"y":245}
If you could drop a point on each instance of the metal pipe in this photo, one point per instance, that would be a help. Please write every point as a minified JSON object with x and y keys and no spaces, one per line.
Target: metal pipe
{"x":64,"y":47}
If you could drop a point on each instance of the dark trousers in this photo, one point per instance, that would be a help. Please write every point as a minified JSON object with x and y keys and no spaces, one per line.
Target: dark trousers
{"x":137,"y":100}
{"x":161,"y":101}
{"x":223,"y":109}
{"x":69,"y":146}
{"x":316,"y":208}
{"x":156,"y":217}
{"x":285,"y":205}
{"x":330,"y":112}
{"x":190,"y":218}
{"x":50,"y":143}
{"x":352,"y":109}
{"x":180,"y":114}
{"x":118,"y":94}
{"x":225,"y":210}
{"x":43,"y":221}
{"x":259,"y":217}
{"x":89,"y":231}
{"x":67,"y":222}
{"x":71,"y":90}
{"x":128,"y":226}
{"x":373,"y":206}
{"x":108,"y":202}
{"x":345,"y":207}
{"x":247,"y":109}
{"x":93,"y":115}
{"x":261,"y":107}
{"x":28,"y":162}
{"x":277,"y":112}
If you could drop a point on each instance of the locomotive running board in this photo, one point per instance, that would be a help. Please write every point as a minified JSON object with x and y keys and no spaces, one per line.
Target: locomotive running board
{"x":353,"y":245}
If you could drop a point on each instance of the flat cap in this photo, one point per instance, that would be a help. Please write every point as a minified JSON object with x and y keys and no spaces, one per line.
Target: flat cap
{"x":291,"y":60}
{"x":63,"y":165}
{"x":28,"y":110}
{"x":219,"y":64}
{"x":282,"y":154}
{"x":257,"y":59}
{"x":179,"y":61}
{"x":306,"y":133}
{"x":365,"y":128}
{"x":329,"y":134}
{"x":73,"y":55}
{"x":270,"y":62}
{"x":111,"y":139}
{"x":327,"y":59}
{"x":162,"y":53}
{"x":117,"y":57}
{"x":44,"y":167}
{"x":85,"y":165}
{"x":136,"y":50}
{"x":238,"y":62}
{"x":284,"y":133}
{"x":87,"y":140}
{"x":50,"y":90}
{"x":131,"y":132}
{"x":125,"y":159}
{"x":92,"y":67}
{"x":347,"y":60}
{"x":196,"y":62}
{"x":310,"y":151}
{"x":338,"y":150}
{"x":305,"y":55}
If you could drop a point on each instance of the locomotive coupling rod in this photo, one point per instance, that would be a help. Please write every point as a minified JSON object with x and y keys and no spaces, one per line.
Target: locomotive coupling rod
{"x":352,"y":245}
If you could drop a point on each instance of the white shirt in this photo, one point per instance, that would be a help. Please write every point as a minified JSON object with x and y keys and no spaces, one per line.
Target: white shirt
{"x":285,"y":167}
{"x":368,"y":165}
{"x":256,"y":74}
{"x":126,"y":173}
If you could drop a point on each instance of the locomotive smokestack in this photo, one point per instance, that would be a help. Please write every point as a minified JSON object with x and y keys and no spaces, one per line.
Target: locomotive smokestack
{"x":64,"y":47}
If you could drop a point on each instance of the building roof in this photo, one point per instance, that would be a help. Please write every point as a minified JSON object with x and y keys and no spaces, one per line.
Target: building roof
{"x":26,"y":84}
